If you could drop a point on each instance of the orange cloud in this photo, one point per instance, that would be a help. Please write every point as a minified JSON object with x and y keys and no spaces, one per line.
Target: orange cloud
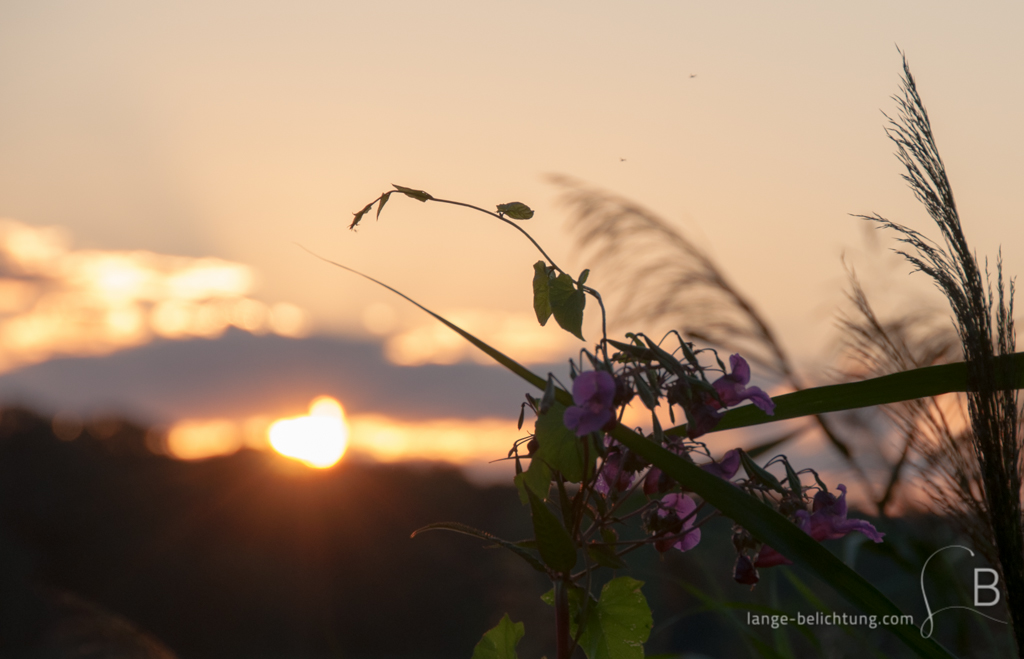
{"x":55,"y":300}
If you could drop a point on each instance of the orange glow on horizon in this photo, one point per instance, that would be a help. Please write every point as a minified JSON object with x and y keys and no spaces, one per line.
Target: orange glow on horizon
{"x":317,"y":440}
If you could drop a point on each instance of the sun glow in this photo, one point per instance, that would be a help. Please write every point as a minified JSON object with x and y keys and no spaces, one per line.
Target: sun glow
{"x":317,"y":440}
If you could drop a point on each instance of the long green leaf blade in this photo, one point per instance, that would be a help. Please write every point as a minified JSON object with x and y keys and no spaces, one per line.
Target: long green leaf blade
{"x":465,"y":529}
{"x":884,"y":390}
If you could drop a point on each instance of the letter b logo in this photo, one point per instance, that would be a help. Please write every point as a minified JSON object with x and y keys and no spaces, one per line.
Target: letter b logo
{"x":986,"y":586}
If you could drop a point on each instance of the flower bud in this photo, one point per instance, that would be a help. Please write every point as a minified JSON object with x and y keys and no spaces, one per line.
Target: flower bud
{"x":744,"y":571}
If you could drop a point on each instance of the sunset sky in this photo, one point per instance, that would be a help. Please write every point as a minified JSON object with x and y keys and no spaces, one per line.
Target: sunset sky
{"x":161,"y":166}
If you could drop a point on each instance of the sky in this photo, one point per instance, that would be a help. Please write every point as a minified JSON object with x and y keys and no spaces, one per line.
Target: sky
{"x":141,"y":144}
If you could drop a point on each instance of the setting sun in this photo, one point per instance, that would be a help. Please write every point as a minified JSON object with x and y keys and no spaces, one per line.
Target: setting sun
{"x":318,"y":440}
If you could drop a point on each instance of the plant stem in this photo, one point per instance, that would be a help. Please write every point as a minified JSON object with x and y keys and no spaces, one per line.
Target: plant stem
{"x":562,"y":636}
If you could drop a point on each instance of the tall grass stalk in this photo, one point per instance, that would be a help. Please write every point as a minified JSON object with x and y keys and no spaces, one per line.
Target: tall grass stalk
{"x":984,"y":325}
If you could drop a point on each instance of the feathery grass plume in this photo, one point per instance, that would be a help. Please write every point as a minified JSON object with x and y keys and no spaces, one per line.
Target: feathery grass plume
{"x":983,"y":334}
{"x":677,"y":282}
{"x":941,"y":457}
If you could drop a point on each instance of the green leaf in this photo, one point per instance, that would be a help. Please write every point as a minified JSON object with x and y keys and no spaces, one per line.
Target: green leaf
{"x":541,"y":292}
{"x":536,"y":478}
{"x":516,"y":210}
{"x":758,"y":474}
{"x":583,"y":277}
{"x":554,"y":543}
{"x":667,"y":360}
{"x":415,"y":194}
{"x":567,"y":304}
{"x":636,"y":352}
{"x":647,"y":396}
{"x":575,"y":601}
{"x":501,"y":641}
{"x":465,"y":529}
{"x":619,"y":624}
{"x":360,"y":214}
{"x":383,"y":200}
{"x":605,"y":556}
{"x":793,"y":478}
{"x":560,"y":448}
{"x":548,"y":399}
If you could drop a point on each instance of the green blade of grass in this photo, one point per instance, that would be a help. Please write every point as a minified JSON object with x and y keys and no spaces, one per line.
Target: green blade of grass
{"x":895,"y":388}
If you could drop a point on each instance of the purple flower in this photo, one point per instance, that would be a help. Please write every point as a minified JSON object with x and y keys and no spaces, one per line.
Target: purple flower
{"x":593,"y":392}
{"x":725,"y":468}
{"x":702,"y":419}
{"x":732,"y":390}
{"x":827,"y":521}
{"x":613,"y":477}
{"x":768,"y":557}
{"x":682,"y":507}
{"x":656,"y":481}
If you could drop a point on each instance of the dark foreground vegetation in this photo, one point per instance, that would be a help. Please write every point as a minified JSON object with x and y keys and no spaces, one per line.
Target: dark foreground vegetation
{"x":252,"y":556}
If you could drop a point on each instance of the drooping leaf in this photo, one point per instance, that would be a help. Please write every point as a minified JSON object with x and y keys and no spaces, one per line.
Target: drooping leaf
{"x":758,"y":474}
{"x":411,"y":192}
{"x":618,"y":626}
{"x":483,"y":535}
{"x":360,"y":214}
{"x":667,"y":360}
{"x":554,"y":543}
{"x":549,"y":396}
{"x":634,"y":351}
{"x":516,"y":210}
{"x":541,"y":292}
{"x":646,"y":395}
{"x":567,"y":303}
{"x":792,"y":478}
{"x":383,"y":200}
{"x":656,"y":432}
{"x":501,"y":641}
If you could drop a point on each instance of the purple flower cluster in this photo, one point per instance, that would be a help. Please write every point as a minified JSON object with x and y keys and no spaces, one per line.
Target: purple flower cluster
{"x":598,"y":395}
{"x":680,"y":508}
{"x":732,"y":390}
{"x":826,"y":521}
{"x":593,"y":393}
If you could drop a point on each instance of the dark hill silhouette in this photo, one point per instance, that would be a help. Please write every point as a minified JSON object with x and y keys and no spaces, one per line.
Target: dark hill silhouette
{"x":251,"y":556}
{"x":105,"y":547}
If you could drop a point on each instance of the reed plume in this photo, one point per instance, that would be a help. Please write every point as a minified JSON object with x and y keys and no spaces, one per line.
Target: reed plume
{"x":984,"y":326}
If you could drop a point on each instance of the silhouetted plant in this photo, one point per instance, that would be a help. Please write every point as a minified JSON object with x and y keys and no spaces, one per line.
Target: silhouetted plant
{"x":584,"y":463}
{"x":985,"y":327}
